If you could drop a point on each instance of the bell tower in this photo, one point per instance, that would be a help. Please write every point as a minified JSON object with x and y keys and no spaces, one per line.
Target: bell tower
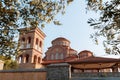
{"x":31,"y":47}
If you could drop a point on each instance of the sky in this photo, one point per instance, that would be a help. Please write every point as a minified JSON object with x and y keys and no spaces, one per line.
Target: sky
{"x":75,"y":28}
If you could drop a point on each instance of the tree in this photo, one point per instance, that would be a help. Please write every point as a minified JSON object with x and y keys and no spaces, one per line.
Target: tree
{"x":8,"y":63}
{"x":108,"y":24}
{"x":16,"y":14}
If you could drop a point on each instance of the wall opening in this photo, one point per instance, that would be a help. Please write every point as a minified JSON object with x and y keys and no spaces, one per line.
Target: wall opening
{"x":27,"y":58}
{"x":20,"y":59}
{"x":35,"y":59}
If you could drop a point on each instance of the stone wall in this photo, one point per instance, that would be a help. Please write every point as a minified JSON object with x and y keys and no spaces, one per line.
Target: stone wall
{"x":58,"y":71}
{"x":34,"y":74}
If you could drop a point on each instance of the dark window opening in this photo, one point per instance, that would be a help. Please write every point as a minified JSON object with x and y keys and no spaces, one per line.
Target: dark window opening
{"x":23,"y":39}
{"x":29,"y":40}
{"x":27,"y":58}
{"x":40,"y":44}
{"x":37,"y":41}
{"x":38,"y":59}
{"x":35,"y":59}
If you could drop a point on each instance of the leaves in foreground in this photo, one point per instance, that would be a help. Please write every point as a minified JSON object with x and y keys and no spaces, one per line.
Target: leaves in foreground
{"x":108,"y":24}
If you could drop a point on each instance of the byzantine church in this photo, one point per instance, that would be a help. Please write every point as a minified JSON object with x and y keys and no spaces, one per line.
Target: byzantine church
{"x":31,"y":54}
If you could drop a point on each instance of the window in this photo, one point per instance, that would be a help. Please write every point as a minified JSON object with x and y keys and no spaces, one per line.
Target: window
{"x":23,"y":39}
{"x":40,"y":44}
{"x":36,"y":41}
{"x":37,"y":46}
{"x":22,"y":43}
{"x":57,"y":56}
{"x":52,"y":57}
{"x":38,"y":59}
{"x":61,"y":56}
{"x":27,"y":58}
{"x":29,"y":40}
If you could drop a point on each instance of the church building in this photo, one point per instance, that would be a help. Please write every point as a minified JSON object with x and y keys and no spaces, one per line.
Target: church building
{"x":31,"y":57}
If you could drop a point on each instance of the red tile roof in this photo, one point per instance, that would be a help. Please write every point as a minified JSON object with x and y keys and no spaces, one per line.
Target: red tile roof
{"x":52,"y":61}
{"x":93,"y":59}
{"x":87,"y":60}
{"x":60,"y":38}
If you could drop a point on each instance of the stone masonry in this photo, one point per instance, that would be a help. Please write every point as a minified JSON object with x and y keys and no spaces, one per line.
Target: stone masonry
{"x":58,"y":71}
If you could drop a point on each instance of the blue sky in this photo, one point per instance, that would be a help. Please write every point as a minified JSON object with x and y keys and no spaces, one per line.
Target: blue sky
{"x":74,"y":28}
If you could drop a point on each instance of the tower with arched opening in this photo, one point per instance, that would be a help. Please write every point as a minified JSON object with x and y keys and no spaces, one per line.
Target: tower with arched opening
{"x":31,"y":47}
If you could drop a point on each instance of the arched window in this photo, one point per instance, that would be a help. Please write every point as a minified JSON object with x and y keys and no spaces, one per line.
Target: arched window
{"x":40,"y":44}
{"x":22,"y":43}
{"x":57,"y":56}
{"x":37,"y":46}
{"x":61,"y":56}
{"x":38,"y":59}
{"x":23,"y":39}
{"x":20,"y":59}
{"x":35,"y":59}
{"x":29,"y":40}
{"x":52,"y":57}
{"x":36,"y":41}
{"x":27,"y":58}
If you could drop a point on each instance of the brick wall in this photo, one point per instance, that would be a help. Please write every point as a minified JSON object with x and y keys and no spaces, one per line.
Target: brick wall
{"x":33,"y":74}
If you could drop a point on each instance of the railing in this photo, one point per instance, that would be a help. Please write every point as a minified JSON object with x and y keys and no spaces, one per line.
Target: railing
{"x":96,"y":74}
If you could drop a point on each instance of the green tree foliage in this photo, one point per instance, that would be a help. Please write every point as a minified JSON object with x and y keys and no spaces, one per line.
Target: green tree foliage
{"x":9,"y":63}
{"x":108,"y":24}
{"x":15,"y":14}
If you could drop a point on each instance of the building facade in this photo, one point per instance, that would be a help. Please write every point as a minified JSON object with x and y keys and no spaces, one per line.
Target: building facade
{"x":60,"y":50}
{"x":31,"y":47}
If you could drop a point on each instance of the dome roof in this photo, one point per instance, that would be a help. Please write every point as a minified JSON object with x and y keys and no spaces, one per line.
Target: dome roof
{"x":60,"y":39}
{"x":85,"y":51}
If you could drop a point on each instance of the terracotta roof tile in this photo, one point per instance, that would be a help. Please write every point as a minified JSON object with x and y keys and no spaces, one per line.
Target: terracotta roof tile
{"x":93,"y":59}
{"x":52,"y":61}
{"x":60,"y":38}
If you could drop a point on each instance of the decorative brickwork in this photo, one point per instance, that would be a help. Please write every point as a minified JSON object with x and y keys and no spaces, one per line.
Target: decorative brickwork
{"x":60,"y":50}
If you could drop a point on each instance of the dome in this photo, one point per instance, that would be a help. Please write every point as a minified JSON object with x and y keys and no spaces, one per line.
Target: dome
{"x":61,"y":41}
{"x":85,"y":53}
